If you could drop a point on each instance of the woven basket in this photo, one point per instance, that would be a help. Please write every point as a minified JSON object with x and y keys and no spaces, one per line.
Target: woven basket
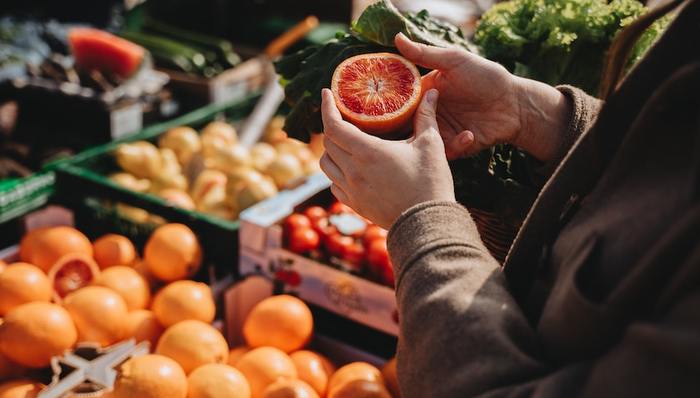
{"x":496,"y":234}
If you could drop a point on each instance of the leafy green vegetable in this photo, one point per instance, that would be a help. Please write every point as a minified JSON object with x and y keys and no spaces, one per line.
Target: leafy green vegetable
{"x":558,"y":41}
{"x":309,"y":70}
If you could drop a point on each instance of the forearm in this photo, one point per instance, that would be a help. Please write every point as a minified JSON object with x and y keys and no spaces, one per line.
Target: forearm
{"x":461,"y":332}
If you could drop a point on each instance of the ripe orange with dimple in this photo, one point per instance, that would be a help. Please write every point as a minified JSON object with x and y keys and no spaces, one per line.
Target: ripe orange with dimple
{"x":44,"y":246}
{"x":34,"y":332}
{"x":99,"y":314}
{"x":217,"y":381}
{"x":113,"y":249}
{"x":183,"y":300}
{"x":22,"y":283}
{"x":20,"y":389}
{"x":127,"y":283}
{"x":282,"y":321}
{"x":314,"y":369}
{"x":378,"y":92}
{"x":150,"y":376}
{"x":172,"y":252}
{"x":352,"y":372}
{"x":289,"y":388}
{"x":264,"y":366}
{"x":142,"y":325}
{"x":193,"y":344}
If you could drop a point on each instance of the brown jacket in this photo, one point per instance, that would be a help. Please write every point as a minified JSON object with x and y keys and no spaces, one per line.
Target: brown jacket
{"x":600,"y":294}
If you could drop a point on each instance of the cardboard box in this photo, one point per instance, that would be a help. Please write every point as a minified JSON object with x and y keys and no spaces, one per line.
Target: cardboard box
{"x":262,"y":253}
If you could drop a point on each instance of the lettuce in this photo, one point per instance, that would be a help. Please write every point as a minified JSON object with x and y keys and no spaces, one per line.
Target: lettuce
{"x":559,"y":41}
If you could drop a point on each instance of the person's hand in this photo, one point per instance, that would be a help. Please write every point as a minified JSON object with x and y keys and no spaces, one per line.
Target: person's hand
{"x":380,"y":179}
{"x":482,"y":104}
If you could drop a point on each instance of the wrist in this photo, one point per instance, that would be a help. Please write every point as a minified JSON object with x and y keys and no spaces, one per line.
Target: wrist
{"x":544,"y":118}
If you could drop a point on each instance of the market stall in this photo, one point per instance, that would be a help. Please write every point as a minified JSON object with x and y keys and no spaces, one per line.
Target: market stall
{"x":166,"y":228}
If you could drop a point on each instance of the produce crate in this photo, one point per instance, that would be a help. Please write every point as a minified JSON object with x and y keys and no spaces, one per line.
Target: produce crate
{"x":22,"y":195}
{"x":83,"y":186}
{"x":358,"y":299}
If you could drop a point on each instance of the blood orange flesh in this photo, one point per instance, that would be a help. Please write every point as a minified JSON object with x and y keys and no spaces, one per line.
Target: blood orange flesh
{"x":72,"y":272}
{"x":377,"y":92}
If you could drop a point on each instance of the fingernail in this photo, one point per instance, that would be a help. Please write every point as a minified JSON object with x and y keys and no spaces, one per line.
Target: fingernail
{"x":431,"y":96}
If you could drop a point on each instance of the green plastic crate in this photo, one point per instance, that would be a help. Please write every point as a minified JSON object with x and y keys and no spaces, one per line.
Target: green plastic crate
{"x":82,"y":186}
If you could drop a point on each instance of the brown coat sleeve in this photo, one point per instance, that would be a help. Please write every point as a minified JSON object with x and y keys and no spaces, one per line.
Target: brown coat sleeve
{"x":584,"y":110}
{"x":463,"y":335}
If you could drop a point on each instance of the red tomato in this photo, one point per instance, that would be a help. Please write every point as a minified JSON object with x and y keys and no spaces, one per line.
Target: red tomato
{"x":355,"y":254}
{"x":337,"y":244}
{"x":338,"y":208}
{"x":296,"y":221}
{"x":323,"y":227}
{"x":374,"y":232}
{"x":303,"y":240}
{"x":315,"y":213}
{"x":379,"y":262}
{"x":97,"y":49}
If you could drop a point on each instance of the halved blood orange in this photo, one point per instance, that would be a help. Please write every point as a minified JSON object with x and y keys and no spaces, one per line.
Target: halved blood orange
{"x":70,"y":273}
{"x":377,"y":92}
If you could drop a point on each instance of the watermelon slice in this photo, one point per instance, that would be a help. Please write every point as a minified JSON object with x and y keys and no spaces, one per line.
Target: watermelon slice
{"x":97,"y":49}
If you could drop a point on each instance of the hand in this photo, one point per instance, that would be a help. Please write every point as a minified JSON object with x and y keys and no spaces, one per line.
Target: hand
{"x":482,"y":104}
{"x":381,"y":179}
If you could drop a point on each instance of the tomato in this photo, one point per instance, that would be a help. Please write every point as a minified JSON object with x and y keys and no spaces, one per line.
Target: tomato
{"x":373,"y":232}
{"x":355,"y":254}
{"x":315,"y":213}
{"x":337,"y":244}
{"x":323,"y":227}
{"x":97,"y":49}
{"x":303,"y":240}
{"x":379,"y":262}
{"x":296,"y":221}
{"x":338,"y":208}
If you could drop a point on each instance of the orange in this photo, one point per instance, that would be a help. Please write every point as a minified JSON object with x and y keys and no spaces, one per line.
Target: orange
{"x":3,"y":265}
{"x":184,"y":300}
{"x":20,"y":389}
{"x":354,"y":371}
{"x":283,"y":322}
{"x":193,"y":344}
{"x":173,"y":252}
{"x":217,"y":381}
{"x":314,"y":369}
{"x":150,"y":376}
{"x":9,"y":369}
{"x":360,"y":389}
{"x":22,"y":283}
{"x":142,"y":325}
{"x":390,"y":377}
{"x":99,"y":314}
{"x":34,"y":332}
{"x":378,"y":92}
{"x":264,"y":366}
{"x":289,"y":388}
{"x":43,"y":247}
{"x":127,"y":283}
{"x":237,"y":353}
{"x":70,"y":273}
{"x":113,"y":249}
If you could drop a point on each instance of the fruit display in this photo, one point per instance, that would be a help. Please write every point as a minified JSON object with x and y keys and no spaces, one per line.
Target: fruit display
{"x":339,"y":237}
{"x":209,"y":171}
{"x":105,"y":304}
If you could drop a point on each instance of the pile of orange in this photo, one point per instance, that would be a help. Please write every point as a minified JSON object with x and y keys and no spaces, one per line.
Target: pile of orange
{"x":67,"y":290}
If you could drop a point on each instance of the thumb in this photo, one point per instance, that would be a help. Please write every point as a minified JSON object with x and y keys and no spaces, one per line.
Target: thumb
{"x":425,"y":121}
{"x":430,"y":57}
